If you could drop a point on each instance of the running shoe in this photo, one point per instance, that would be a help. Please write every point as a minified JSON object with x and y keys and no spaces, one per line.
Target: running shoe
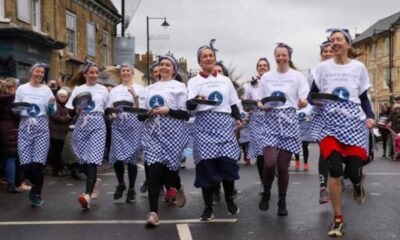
{"x":131,"y":196}
{"x":336,"y":229}
{"x":144,"y":187}
{"x":359,"y":193}
{"x":170,"y":195}
{"x":232,"y":207}
{"x":152,"y":220}
{"x":324,"y":196}
{"x":282,"y":210}
{"x":35,"y":199}
{"x":264,"y":203}
{"x":306,"y":167}
{"x":119,"y":191}
{"x":296,"y":165}
{"x":207,"y":215}
{"x":84,"y":200}
{"x":96,"y":189}
{"x":180,"y":197}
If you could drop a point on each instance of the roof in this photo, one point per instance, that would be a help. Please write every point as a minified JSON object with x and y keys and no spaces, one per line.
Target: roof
{"x":14,"y":32}
{"x":380,"y":26}
{"x":109,"y":5}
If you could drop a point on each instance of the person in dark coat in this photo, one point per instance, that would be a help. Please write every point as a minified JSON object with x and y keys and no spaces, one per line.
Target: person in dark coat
{"x":59,"y":125}
{"x":9,"y":136}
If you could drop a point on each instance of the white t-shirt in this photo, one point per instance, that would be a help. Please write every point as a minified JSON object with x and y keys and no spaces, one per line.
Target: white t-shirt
{"x":291,"y":84}
{"x":252,"y":92}
{"x":219,"y":88}
{"x":38,"y":97}
{"x":347,"y":81}
{"x":171,"y":94}
{"x":121,"y":93}
{"x":99,"y":97}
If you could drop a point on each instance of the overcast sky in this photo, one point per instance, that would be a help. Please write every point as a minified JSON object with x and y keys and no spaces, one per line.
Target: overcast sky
{"x":246,"y":30}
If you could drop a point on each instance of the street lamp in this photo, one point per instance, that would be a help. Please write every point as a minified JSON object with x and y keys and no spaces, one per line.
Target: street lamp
{"x":165,"y":25}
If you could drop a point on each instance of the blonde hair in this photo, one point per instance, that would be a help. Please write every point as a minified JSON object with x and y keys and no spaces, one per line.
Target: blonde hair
{"x":8,"y":82}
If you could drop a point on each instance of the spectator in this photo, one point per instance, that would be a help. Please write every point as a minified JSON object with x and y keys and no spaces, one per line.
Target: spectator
{"x":59,"y":124}
{"x":9,"y":136}
{"x":383,"y":117}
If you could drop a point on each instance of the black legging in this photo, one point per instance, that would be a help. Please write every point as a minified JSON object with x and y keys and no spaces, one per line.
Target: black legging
{"x":276,"y":158}
{"x":34,"y":172}
{"x":158,"y":174}
{"x":132,"y":173}
{"x":384,"y":134}
{"x":208,"y":192}
{"x":323,"y":170}
{"x":55,"y":155}
{"x":260,"y":167}
{"x":90,"y":170}
{"x":304,"y":146}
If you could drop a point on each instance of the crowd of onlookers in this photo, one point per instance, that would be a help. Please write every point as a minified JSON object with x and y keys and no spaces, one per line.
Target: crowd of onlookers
{"x":61,"y":161}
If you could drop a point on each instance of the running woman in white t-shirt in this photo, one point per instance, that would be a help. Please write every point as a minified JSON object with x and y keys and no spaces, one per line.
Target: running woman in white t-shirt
{"x":126,"y":134}
{"x":343,"y":136}
{"x":281,"y":137}
{"x":216,"y":149}
{"x":253,"y":91}
{"x":165,"y":134}
{"x":33,"y":132}
{"x":89,"y":135}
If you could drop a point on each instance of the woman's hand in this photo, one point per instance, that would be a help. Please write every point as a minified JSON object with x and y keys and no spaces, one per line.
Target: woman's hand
{"x":302,"y":103}
{"x":370,"y":123}
{"x":239,"y":125}
{"x":262,"y":107}
{"x":159,"y":111}
{"x":52,"y":100}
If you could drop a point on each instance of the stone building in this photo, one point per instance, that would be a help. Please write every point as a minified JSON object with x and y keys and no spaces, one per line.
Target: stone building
{"x":60,"y":33}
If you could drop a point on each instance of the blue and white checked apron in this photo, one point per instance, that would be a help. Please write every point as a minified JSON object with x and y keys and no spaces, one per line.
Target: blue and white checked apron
{"x":214,"y":137}
{"x":342,"y":121}
{"x":89,"y":138}
{"x":281,"y":130}
{"x":257,"y":121}
{"x":316,"y":123}
{"x":33,"y":140}
{"x":126,"y":136}
{"x":305,"y":131}
{"x":163,"y":141}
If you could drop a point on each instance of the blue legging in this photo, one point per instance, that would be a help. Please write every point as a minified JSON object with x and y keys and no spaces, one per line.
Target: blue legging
{"x":11,"y":170}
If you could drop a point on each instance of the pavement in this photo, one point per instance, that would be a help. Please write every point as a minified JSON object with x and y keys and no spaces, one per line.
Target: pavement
{"x":62,"y":218}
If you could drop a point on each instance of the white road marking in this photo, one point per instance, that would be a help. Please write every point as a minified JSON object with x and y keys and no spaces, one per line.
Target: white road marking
{"x":70,"y":184}
{"x":184,"y":232}
{"x":296,"y":183}
{"x":375,"y":194}
{"x":72,"y":222}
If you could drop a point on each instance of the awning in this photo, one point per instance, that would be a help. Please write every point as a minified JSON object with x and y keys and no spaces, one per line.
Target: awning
{"x":19,"y":32}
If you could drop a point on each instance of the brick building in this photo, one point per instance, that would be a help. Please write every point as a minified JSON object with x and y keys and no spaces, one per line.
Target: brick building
{"x":380,"y":44}
{"x":60,"y":33}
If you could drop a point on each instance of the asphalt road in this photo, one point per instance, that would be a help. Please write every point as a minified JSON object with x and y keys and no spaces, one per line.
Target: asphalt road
{"x":62,"y":218}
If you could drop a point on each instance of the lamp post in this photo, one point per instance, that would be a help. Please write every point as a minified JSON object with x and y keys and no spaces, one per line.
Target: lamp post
{"x":164,"y":24}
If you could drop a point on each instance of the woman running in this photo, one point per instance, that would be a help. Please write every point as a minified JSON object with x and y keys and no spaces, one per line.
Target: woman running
{"x":280,"y":136}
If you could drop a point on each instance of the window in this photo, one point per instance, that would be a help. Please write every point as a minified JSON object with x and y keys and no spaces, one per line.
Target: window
{"x":386,"y":80}
{"x":386,"y":47}
{"x":372,"y":79}
{"x":2,"y":9}
{"x":24,"y":10}
{"x":29,"y":12}
{"x":373,"y":50}
{"x":71,"y":30}
{"x":106,"y":54}
{"x":36,"y":15}
{"x":91,"y":39}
